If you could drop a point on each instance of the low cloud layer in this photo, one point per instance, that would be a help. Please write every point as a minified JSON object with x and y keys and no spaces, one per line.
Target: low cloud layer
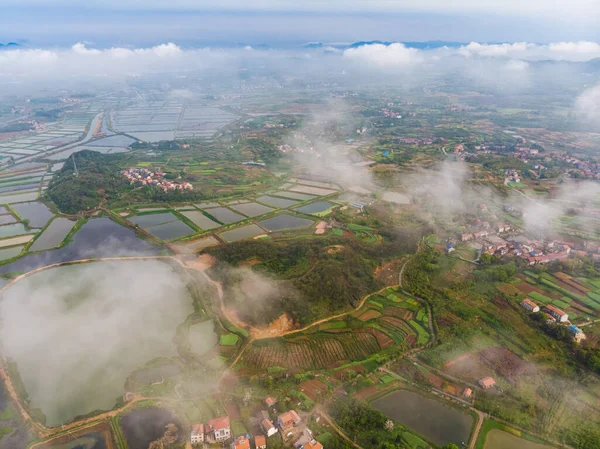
{"x":588,"y":105}
{"x":77,"y":332}
{"x":394,"y":55}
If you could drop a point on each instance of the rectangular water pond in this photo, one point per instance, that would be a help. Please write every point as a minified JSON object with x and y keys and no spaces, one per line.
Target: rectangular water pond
{"x":200,"y":220}
{"x":252,"y":209}
{"x":312,"y":190}
{"x":18,"y":198}
{"x":145,"y":221}
{"x":437,"y":422}
{"x":171,"y":230}
{"x":7,"y":219}
{"x":225,"y":215}
{"x":37,"y":213}
{"x":206,"y":205}
{"x":276,"y":202}
{"x":16,"y":240}
{"x":9,"y":253}
{"x":315,"y":208}
{"x":285,"y":221}
{"x":53,"y":235}
{"x":245,"y":232}
{"x":12,"y":230}
{"x":294,"y":195}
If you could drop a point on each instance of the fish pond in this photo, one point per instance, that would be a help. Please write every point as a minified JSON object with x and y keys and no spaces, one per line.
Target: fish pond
{"x":285,"y":221}
{"x":18,"y":197}
{"x":145,"y":221}
{"x":13,"y":229}
{"x":169,"y":231}
{"x":315,"y":208}
{"x":252,"y":209}
{"x":129,"y":320}
{"x":276,"y":202}
{"x":99,"y":237}
{"x":294,"y":195}
{"x":437,"y":422}
{"x":244,"y":232}
{"x":202,"y":336}
{"x":225,"y":215}
{"x":53,"y":235}
{"x":142,"y":426}
{"x":200,"y":220}
{"x":37,"y":213}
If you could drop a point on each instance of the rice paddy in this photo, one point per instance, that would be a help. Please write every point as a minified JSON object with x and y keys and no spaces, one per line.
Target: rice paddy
{"x":319,"y":206}
{"x":170,"y":231}
{"x":200,"y":220}
{"x":12,"y":230}
{"x":36,"y":213}
{"x":276,"y":202}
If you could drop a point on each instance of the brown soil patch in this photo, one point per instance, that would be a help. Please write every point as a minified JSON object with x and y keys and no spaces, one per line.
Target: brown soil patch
{"x":334,"y":249}
{"x":469,"y":367}
{"x":383,"y":340}
{"x":369,"y":315}
{"x":436,"y":381}
{"x":507,"y":364}
{"x":387,"y":274}
{"x":392,"y":320}
{"x":365,"y":393}
{"x":201,"y":263}
{"x":411,"y":341}
{"x":314,"y":389}
{"x":403,"y":314}
{"x":249,"y":263}
{"x":234,"y":412}
{"x":526,"y":288}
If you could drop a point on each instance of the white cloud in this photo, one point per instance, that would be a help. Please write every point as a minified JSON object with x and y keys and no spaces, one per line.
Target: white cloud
{"x":568,"y":51}
{"x":394,"y":55}
{"x":588,"y":105}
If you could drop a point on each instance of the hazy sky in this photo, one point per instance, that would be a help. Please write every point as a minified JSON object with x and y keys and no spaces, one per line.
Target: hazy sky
{"x":280,"y":22}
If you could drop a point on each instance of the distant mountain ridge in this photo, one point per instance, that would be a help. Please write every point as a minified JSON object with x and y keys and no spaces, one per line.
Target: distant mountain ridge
{"x":425,"y":45}
{"x":9,"y":45}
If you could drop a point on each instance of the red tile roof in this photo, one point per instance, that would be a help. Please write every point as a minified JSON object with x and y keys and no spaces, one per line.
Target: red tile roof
{"x":242,"y":443}
{"x":260,"y":440}
{"x":219,"y":423}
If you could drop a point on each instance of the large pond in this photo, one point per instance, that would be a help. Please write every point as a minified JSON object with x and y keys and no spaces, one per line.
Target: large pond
{"x":77,"y":332}
{"x":252,"y":209}
{"x":202,"y":336}
{"x":244,"y":232}
{"x":285,"y":221}
{"x":276,"y":202}
{"x":172,"y":230}
{"x":142,"y":426}
{"x":54,"y":234}
{"x":225,"y":215}
{"x":315,"y":208}
{"x":99,"y":237}
{"x":37,"y":213}
{"x":435,"y":421}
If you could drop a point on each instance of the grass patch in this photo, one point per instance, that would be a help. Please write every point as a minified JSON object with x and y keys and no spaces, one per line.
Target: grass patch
{"x":228,"y":340}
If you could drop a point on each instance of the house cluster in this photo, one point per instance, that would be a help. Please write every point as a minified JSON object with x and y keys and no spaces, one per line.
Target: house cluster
{"x":145,"y":177}
{"x":418,"y":141}
{"x":215,"y":431}
{"x":482,"y":229}
{"x":554,"y":315}
{"x":511,"y":175}
{"x":390,"y":114}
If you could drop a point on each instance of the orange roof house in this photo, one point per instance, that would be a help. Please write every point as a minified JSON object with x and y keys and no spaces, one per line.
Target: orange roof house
{"x":242,"y":443}
{"x":260,"y":442}
{"x":487,"y":382}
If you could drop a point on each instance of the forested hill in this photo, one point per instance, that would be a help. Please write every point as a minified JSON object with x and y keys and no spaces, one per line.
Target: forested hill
{"x":97,"y":178}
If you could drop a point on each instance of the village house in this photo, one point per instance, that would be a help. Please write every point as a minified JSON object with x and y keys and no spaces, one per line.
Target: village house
{"x":528,"y":304}
{"x":556,"y":313}
{"x":577,"y":333}
{"x":288,"y":420}
{"x":197,"y":435}
{"x":467,"y":393}
{"x":270,"y":401}
{"x":219,"y":428}
{"x":241,"y":442}
{"x":267,"y":426}
{"x":260,"y":442}
{"x":486,"y":383}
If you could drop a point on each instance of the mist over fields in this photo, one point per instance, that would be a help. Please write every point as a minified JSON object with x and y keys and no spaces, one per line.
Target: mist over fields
{"x":77,"y":332}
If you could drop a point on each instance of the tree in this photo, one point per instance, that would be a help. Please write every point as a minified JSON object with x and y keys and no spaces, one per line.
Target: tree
{"x":389,"y":425}
{"x":450,"y":446}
